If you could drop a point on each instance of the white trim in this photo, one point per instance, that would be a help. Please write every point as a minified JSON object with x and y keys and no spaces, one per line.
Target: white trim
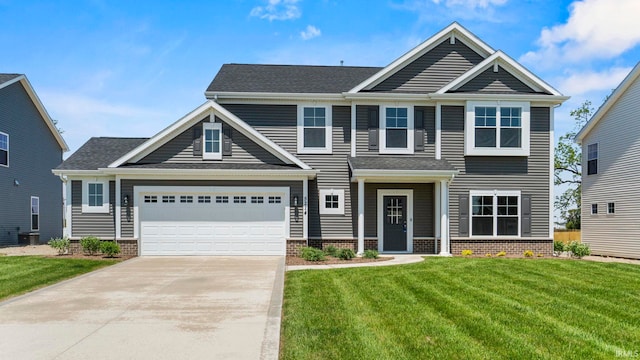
{"x":495,"y":194}
{"x":305,"y":209}
{"x":354,"y":134}
{"x":236,"y":97}
{"x":438,"y":131}
{"x":445,"y":238}
{"x":196,"y":115}
{"x":525,"y":126}
{"x":360,"y":216}
{"x":68,"y":213}
{"x":611,"y":100}
{"x":40,"y":107}
{"x":118,"y":207}
{"x":455,"y":29}
{"x":437,"y":200}
{"x":380,"y":216}
{"x":551,"y":168}
{"x":328,"y":130}
{"x":104,"y":208}
{"x":322,"y":193}
{"x":214,"y":155}
{"x":8,"y":148}
{"x":383,"y":130}
{"x":32,"y":213}
{"x":376,"y":175}
{"x":510,"y":65}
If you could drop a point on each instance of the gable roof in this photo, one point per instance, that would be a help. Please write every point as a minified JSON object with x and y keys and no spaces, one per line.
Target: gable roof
{"x":99,"y":152}
{"x":208,"y":108}
{"x":604,"y":108}
{"x":288,"y":78}
{"x":8,"y":79}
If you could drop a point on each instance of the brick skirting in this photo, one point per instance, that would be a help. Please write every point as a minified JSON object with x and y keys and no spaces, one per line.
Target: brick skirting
{"x":511,"y":247}
{"x":294,"y":246}
{"x":425,"y":246}
{"x":127,"y":247}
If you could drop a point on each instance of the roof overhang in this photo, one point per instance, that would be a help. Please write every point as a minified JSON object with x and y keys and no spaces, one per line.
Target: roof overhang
{"x":197,"y":174}
{"x":220,"y":96}
{"x":401,"y":176}
{"x":41,"y":109}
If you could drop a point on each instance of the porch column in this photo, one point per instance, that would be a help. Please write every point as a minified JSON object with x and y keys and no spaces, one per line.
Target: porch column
{"x":444,"y":218}
{"x":360,"y":216}
{"x":305,"y":212}
{"x":117,"y":211}
{"x":436,"y":218}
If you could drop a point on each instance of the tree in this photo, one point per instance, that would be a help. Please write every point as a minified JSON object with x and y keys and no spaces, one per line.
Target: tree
{"x":568,"y":168}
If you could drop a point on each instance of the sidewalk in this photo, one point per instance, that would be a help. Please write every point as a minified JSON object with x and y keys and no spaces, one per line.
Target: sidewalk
{"x":397,"y":260}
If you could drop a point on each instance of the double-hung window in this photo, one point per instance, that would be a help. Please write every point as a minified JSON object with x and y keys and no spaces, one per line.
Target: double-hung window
{"x":4,"y":149}
{"x":212,"y":142}
{"x":495,"y":213}
{"x":314,"y":129}
{"x":35,"y":213}
{"x":592,"y":159}
{"x":396,"y":130}
{"x":95,"y":197}
{"x":497,"y":128}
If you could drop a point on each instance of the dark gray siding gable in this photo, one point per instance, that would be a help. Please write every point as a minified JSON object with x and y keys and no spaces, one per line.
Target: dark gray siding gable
{"x":501,"y":82}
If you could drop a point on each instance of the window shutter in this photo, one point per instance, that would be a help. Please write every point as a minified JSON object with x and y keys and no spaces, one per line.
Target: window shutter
{"x":526,"y":215}
{"x":197,"y":140}
{"x":418,"y":131}
{"x":374,"y":131}
{"x":226,"y":139}
{"x":463,"y":221}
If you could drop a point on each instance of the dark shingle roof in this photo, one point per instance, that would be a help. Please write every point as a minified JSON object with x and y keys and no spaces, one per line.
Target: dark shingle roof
{"x":289,"y":78}
{"x":99,"y":152}
{"x":398,"y":163}
{"x":211,"y":166}
{"x":6,"y":77}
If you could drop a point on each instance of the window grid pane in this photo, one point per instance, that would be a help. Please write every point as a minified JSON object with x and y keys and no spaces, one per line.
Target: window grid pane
{"x":594,"y":209}
{"x":396,"y":118}
{"x":4,"y":142}
{"x":212,"y":140}
{"x":95,"y":195}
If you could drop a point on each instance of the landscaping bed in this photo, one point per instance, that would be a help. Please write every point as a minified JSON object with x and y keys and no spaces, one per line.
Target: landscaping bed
{"x":296,"y":260}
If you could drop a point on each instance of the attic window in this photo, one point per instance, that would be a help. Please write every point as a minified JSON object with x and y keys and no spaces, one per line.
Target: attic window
{"x":212,"y":145}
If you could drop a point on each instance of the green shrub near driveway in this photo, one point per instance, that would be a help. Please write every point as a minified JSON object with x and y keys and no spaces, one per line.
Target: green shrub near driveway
{"x":110,"y":248}
{"x":312,"y":254}
{"x":346,"y":254}
{"x":61,"y":244}
{"x":90,"y":245}
{"x":331,"y":251}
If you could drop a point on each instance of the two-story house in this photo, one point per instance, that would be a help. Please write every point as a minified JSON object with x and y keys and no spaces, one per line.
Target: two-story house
{"x":610,"y":177}
{"x":449,"y":147}
{"x":30,"y":146}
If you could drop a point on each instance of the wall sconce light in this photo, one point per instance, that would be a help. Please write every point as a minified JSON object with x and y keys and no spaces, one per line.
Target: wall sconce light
{"x":125,"y":201}
{"x":295,"y":200}
{"x":16,"y":182}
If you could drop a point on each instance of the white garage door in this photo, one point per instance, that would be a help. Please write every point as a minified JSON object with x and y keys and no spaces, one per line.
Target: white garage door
{"x":213,"y":221}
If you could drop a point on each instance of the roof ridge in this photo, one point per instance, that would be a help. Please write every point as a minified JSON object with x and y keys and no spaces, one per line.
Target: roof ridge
{"x":307,"y":65}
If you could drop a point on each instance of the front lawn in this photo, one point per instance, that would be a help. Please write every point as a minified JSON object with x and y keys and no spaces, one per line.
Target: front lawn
{"x":20,"y":274}
{"x":459,"y":308}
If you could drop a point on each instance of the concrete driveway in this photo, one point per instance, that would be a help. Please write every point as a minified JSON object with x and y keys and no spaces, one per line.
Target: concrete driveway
{"x":152,"y":308}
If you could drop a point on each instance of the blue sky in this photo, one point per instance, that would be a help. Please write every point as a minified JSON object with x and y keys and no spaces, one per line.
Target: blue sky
{"x":130,"y":68}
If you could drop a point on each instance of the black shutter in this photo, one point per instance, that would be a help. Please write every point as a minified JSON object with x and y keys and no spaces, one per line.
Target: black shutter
{"x":526,"y":216}
{"x":463,"y":210}
{"x":197,"y":140}
{"x":418,"y":131}
{"x":374,"y":131}
{"x":226,"y":139}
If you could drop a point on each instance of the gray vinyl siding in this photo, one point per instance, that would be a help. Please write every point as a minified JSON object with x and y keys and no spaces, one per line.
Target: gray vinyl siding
{"x":501,"y":82}
{"x":180,"y":150}
{"x":432,"y":70}
{"x":33,"y":152}
{"x":529,"y":175}
{"x":128,"y":185}
{"x":617,"y":180}
{"x":101,"y":225}
{"x":362,"y":131}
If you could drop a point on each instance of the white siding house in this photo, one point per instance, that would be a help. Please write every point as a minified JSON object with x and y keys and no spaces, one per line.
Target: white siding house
{"x":611,"y":173}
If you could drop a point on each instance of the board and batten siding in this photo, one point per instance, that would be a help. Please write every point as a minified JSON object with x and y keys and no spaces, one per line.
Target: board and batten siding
{"x":530,"y":174}
{"x":433,"y":70}
{"x":33,"y":152}
{"x":618,"y":180}
{"x":362,"y":131}
{"x":101,"y":225}
{"x":490,"y":82}
{"x":128,"y":185}
{"x":180,"y":150}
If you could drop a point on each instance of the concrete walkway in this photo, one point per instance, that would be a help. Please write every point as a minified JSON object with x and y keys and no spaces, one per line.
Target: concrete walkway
{"x":397,"y":260}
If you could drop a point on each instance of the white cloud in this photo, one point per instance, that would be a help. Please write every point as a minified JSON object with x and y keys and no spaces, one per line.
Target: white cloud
{"x":436,"y":10}
{"x":310,"y":32}
{"x":471,"y":4}
{"x":596,"y":29}
{"x":277,"y":10}
{"x":590,"y":81}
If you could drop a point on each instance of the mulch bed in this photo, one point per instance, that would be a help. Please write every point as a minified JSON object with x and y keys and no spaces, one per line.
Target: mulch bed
{"x":91,"y":257}
{"x":295,"y":260}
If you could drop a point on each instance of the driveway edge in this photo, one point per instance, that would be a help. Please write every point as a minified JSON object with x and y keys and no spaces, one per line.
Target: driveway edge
{"x":271,"y":342}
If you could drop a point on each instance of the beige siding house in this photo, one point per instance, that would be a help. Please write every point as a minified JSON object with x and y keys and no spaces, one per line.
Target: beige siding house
{"x":611,"y":173}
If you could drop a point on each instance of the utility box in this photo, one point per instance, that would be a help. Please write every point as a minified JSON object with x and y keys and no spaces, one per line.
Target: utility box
{"x":29,"y":238}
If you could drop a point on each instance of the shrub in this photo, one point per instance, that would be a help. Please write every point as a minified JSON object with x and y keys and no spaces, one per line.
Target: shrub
{"x":488,"y":255}
{"x":528,"y":253}
{"x":578,"y":249}
{"x":312,"y":254}
{"x":370,"y":254}
{"x":90,"y":245}
{"x":110,"y":248}
{"x":559,"y":247}
{"x":540,"y":255}
{"x":331,"y":251}
{"x":346,"y":254}
{"x":61,"y":244}
{"x":502,"y":253}
{"x":467,"y":252}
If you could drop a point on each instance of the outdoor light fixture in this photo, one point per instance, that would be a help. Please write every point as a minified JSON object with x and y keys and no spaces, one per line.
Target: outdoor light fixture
{"x":295,"y":200}
{"x":125,"y":202}
{"x":16,"y":182}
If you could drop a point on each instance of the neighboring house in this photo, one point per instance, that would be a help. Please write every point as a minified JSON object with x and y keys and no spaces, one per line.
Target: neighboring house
{"x":30,"y":146}
{"x":610,"y":173}
{"x":449,"y":147}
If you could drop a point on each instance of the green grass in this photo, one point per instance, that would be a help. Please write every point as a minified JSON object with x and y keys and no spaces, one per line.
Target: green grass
{"x":458,"y":308}
{"x":21,"y":274}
